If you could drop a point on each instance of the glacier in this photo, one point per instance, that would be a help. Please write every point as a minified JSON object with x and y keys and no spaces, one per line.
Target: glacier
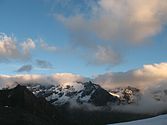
{"x":158,"y":120}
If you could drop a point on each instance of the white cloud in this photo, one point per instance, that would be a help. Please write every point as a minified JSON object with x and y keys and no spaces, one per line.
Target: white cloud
{"x":47,"y":47}
{"x":28,"y":45}
{"x":67,"y":77}
{"x":115,"y":25}
{"x":105,"y":55}
{"x":125,"y":20}
{"x":147,"y":77}
{"x":143,"y":78}
{"x":10,"y":49}
{"x":59,"y":78}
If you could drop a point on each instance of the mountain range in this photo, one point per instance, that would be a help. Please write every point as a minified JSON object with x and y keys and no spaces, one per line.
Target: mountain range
{"x":80,"y":103}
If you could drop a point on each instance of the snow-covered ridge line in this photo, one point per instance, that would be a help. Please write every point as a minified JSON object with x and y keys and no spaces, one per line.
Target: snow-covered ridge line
{"x":159,"y":120}
{"x":128,"y":99}
{"x":155,"y":96}
{"x":77,"y":92}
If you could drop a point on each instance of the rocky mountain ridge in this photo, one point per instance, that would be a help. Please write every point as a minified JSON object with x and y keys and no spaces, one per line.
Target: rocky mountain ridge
{"x":81,"y":93}
{"x":26,"y":107}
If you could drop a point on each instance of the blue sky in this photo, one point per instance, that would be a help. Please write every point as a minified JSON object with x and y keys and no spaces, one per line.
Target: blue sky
{"x":86,"y":38}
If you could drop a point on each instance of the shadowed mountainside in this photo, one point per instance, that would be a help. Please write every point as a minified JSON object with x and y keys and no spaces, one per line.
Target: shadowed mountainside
{"x":21,"y":106}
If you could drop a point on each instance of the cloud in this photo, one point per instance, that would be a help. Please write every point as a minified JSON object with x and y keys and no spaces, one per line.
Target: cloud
{"x":47,"y":47}
{"x":44,"y":64}
{"x":59,"y":78}
{"x":115,"y":25}
{"x":25,"y":68}
{"x":10,"y":49}
{"x":149,"y":76}
{"x":105,"y":55}
{"x":67,"y":78}
{"x":116,"y":19}
{"x":27,"y":46}
{"x":143,"y":78}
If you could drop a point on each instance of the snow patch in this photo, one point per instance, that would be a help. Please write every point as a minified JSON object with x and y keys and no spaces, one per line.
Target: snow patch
{"x":159,"y":120}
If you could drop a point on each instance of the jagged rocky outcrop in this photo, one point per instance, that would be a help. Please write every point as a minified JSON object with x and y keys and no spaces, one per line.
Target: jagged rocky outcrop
{"x":126,"y":95}
{"x":87,"y":92}
{"x":21,"y":106}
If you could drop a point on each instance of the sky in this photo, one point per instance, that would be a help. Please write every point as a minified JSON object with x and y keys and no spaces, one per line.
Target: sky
{"x":87,"y":37}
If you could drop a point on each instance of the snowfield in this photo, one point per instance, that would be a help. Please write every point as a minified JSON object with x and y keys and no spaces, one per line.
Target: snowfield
{"x":159,"y":120}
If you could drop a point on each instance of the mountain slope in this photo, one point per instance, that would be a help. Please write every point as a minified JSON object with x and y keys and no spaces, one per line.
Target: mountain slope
{"x":126,"y":95}
{"x":21,"y":106}
{"x":90,"y":93}
{"x":78,"y":92}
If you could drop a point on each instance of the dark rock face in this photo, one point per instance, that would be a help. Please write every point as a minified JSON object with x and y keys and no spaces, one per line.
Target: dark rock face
{"x":101,"y":97}
{"x":22,"y":107}
{"x":89,"y":87}
{"x":127,"y":95}
{"x":17,"y":116}
{"x":87,"y":92}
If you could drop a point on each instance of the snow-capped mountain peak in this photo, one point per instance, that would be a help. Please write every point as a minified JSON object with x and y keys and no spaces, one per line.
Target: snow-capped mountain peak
{"x":81,"y":92}
{"x":126,"y":94}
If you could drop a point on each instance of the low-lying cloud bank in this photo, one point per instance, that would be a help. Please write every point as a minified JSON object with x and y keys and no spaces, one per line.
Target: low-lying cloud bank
{"x":149,"y":79}
{"x":153,"y":75}
{"x":143,"y":78}
{"x":55,"y":79}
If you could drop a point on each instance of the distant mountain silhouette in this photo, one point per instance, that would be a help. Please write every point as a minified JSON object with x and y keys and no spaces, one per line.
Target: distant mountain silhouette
{"x":18,"y":106}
